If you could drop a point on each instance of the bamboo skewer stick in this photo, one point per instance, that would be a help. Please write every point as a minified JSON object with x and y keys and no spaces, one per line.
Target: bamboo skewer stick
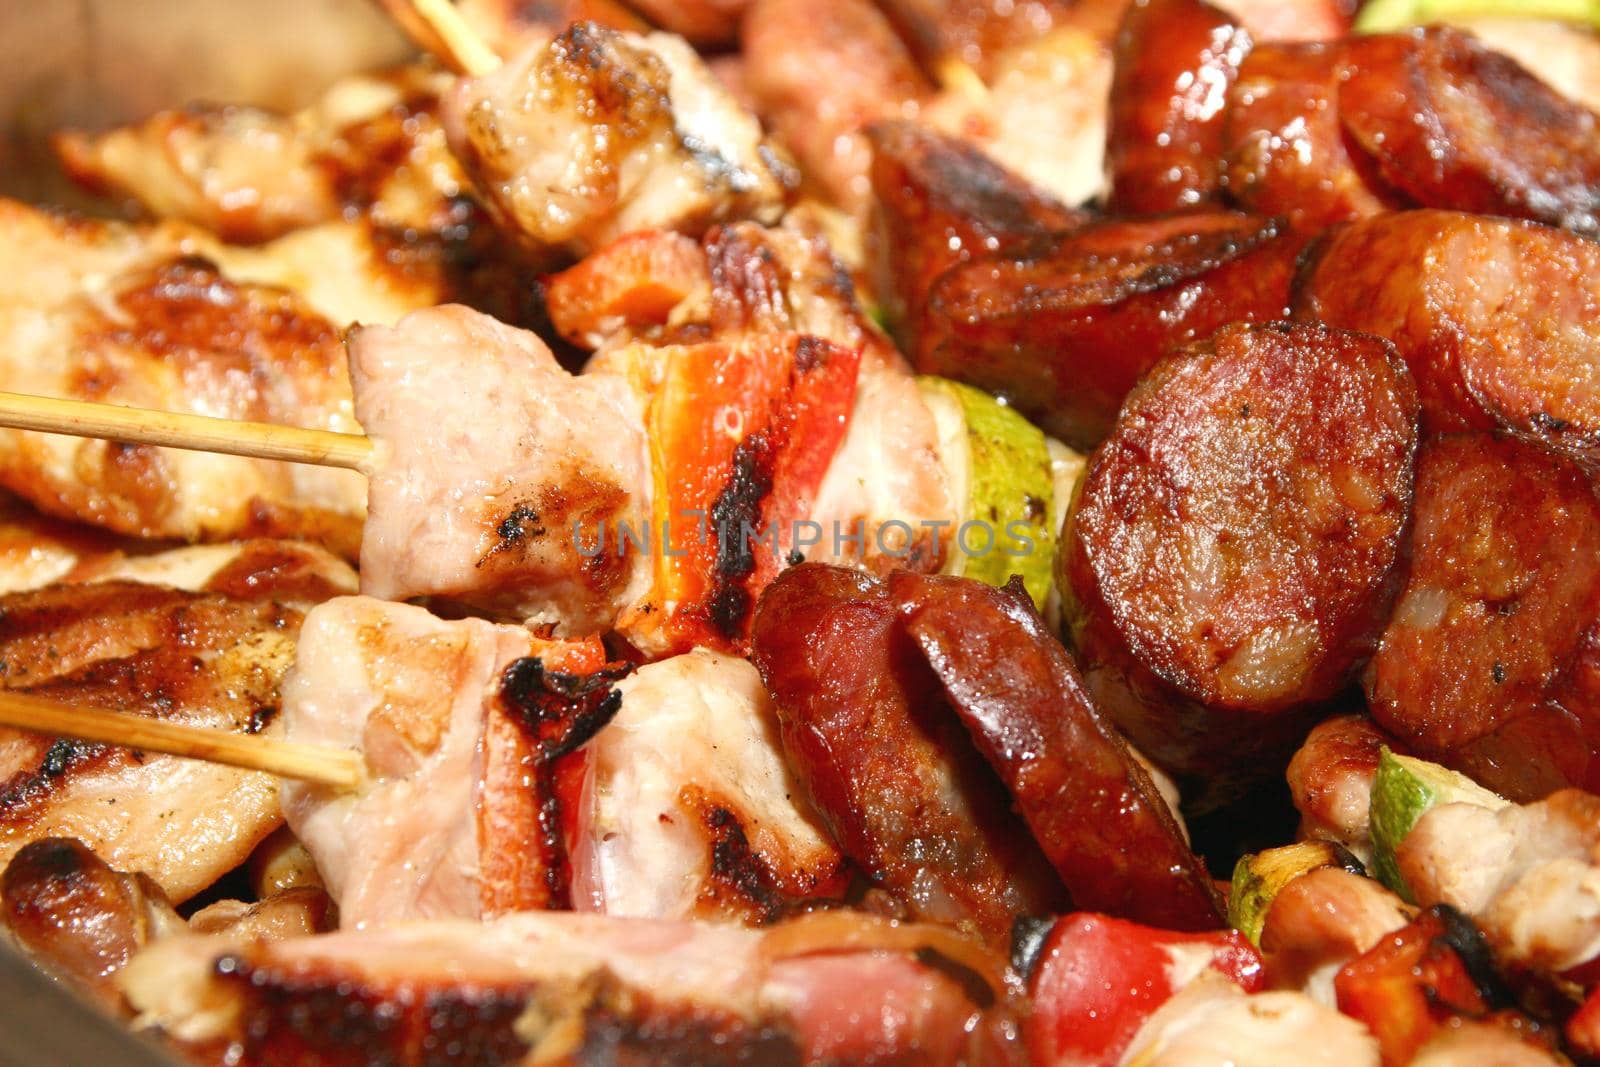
{"x":335,"y":767}
{"x":436,"y":26}
{"x":200,"y":433}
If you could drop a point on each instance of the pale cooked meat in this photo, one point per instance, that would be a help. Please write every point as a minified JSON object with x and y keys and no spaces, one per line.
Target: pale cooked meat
{"x":689,"y":810}
{"x":889,"y":468}
{"x":36,"y":550}
{"x":1331,"y":776}
{"x":491,"y":459}
{"x":1466,"y":1043}
{"x":1044,"y":116}
{"x":1528,"y":874}
{"x":870,"y":76}
{"x":371,"y":144}
{"x":1211,"y":1022}
{"x":1321,"y":921}
{"x":282,"y":862}
{"x":455,"y":818}
{"x":296,"y":573}
{"x":406,"y":690}
{"x":561,"y":987}
{"x":201,"y":659}
{"x":288,"y":913}
{"x":599,"y":133}
{"x":509,"y":26}
{"x":78,"y":918}
{"x":100,"y":312}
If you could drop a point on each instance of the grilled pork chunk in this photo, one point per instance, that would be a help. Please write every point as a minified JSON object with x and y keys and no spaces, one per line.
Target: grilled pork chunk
{"x":199,"y":658}
{"x":371,"y":144}
{"x":1528,"y":874}
{"x":103,"y":312}
{"x":492,"y":457}
{"x":599,"y":133}
{"x":459,"y":817}
{"x":688,"y":808}
{"x":564,"y":988}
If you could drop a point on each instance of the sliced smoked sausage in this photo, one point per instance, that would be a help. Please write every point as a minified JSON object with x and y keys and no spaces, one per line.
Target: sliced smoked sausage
{"x":1457,"y":125}
{"x":1064,"y":329}
{"x":1499,"y":320}
{"x":1503,"y":593}
{"x":887,"y":763}
{"x":1233,"y":549}
{"x":1091,"y":805}
{"x":1173,"y":63}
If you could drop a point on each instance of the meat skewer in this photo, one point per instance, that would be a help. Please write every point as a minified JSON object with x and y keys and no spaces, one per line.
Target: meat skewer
{"x":321,"y":764}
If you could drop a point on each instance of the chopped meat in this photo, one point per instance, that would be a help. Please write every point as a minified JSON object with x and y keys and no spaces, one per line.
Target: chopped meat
{"x":1331,"y":777}
{"x":1211,"y":1022}
{"x":578,"y":988}
{"x":101,"y":312}
{"x":870,"y":77}
{"x":1529,"y":874}
{"x":442,"y":826}
{"x":79,"y":918}
{"x":201,"y":659}
{"x":689,"y":809}
{"x":495,"y":511}
{"x":1321,"y":921}
{"x":371,"y":143}
{"x":599,"y":133}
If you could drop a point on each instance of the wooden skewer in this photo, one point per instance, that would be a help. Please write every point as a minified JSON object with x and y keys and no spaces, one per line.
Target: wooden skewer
{"x":438,"y":27}
{"x":201,"y":433}
{"x":335,"y":767}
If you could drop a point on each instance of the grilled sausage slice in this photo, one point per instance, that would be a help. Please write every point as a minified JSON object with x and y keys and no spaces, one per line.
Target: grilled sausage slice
{"x":1503,"y":592}
{"x":1233,"y":550}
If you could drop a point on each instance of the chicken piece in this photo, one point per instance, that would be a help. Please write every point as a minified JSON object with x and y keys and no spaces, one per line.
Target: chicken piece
{"x":1483,"y":1044}
{"x":78,"y":918}
{"x":573,"y":988}
{"x":977,"y":32}
{"x":871,"y":77}
{"x":1321,"y":921}
{"x":702,"y":21}
{"x":288,"y":572}
{"x":1529,"y":874}
{"x":495,"y":511}
{"x":600,"y":133}
{"x":200,"y":659}
{"x":36,"y":550}
{"x":455,"y":772}
{"x":1331,"y":776}
{"x":1044,"y":116}
{"x":1211,"y":1022}
{"x":689,"y":810}
{"x":288,"y":913}
{"x":372,"y":144}
{"x":106,"y":313}
{"x":282,"y":862}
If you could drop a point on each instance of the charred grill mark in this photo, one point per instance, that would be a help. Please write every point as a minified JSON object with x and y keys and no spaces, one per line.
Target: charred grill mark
{"x":520,"y":522}
{"x":559,"y":713}
{"x":737,"y":871}
{"x":811,"y":353}
{"x":291,"y":1017}
{"x":1462,"y":937}
{"x":735,"y":516}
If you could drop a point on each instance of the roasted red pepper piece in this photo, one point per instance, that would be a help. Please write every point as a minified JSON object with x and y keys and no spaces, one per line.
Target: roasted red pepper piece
{"x":1418,"y":979}
{"x":1098,"y":979}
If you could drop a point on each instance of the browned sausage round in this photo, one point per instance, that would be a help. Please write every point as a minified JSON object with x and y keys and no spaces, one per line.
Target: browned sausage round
{"x":1283,"y":144}
{"x":1065,"y":329}
{"x":1174,"y":61}
{"x":1091,"y":805}
{"x":941,"y":201}
{"x":1504,"y":589}
{"x":886,"y":762}
{"x":1499,"y":320}
{"x":1233,"y":548}
{"x":1458,"y":125}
